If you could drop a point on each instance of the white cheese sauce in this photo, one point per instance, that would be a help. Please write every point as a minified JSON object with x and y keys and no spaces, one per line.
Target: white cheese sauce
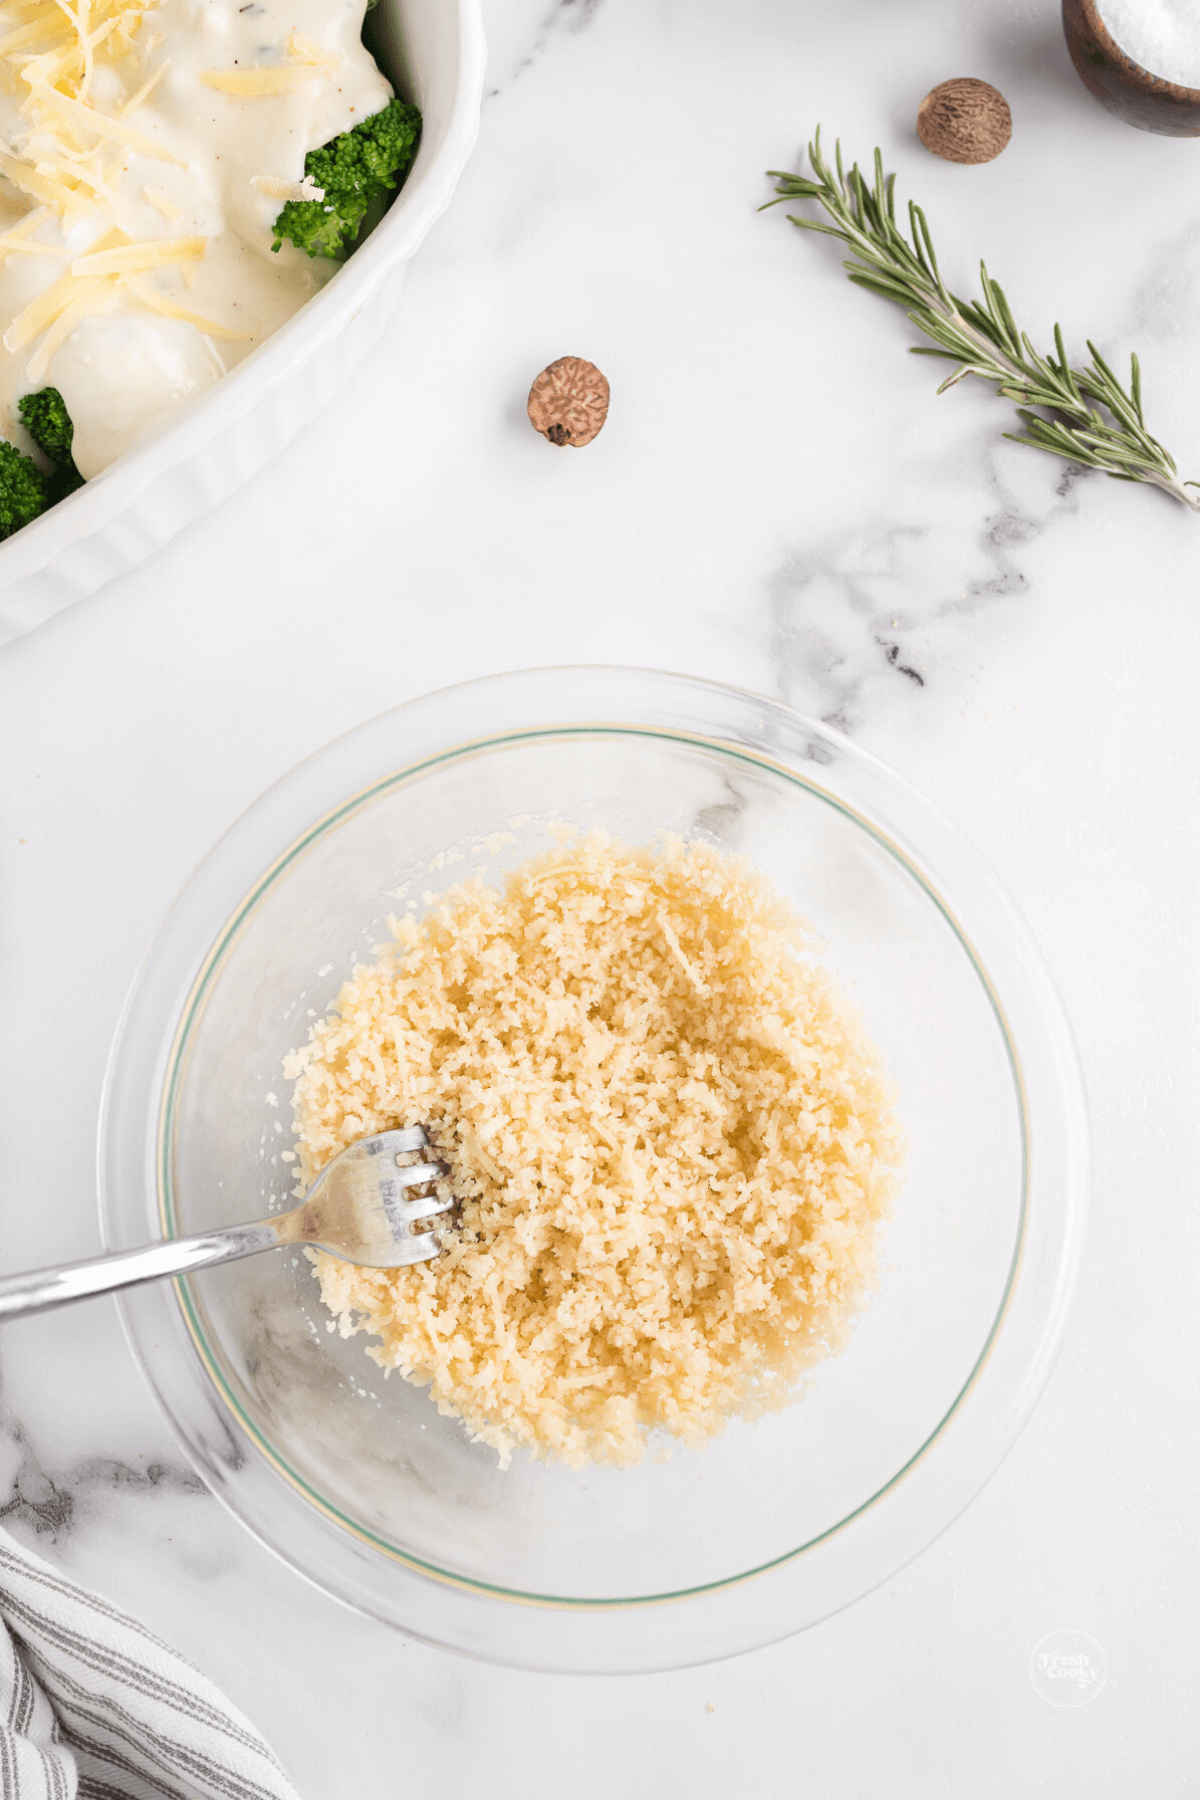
{"x":120,"y":359}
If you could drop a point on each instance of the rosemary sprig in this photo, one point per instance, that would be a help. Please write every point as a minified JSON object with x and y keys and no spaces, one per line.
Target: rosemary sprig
{"x":982,"y":337}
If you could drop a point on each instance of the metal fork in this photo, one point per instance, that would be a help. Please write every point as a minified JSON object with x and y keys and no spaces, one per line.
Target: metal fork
{"x":356,"y":1208}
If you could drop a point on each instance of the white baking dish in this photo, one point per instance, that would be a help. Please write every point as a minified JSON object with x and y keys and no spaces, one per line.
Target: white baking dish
{"x":435,"y":54}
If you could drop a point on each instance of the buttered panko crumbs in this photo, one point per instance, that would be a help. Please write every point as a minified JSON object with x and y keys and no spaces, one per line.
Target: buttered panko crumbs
{"x":671,"y":1138}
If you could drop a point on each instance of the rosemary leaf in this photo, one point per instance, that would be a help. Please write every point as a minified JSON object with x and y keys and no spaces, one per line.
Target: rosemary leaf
{"x":982,"y":336}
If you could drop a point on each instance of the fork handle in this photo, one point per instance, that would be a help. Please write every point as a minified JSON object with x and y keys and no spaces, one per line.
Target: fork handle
{"x":41,"y":1289}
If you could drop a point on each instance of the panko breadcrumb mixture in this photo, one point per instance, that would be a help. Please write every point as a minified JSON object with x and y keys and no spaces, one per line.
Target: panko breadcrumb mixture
{"x":672,"y":1141}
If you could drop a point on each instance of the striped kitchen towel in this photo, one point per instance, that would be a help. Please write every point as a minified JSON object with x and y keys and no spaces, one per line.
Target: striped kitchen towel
{"x":93,"y":1705}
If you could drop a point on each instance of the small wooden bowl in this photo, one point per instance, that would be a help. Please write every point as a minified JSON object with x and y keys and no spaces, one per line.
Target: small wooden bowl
{"x":1128,"y":90}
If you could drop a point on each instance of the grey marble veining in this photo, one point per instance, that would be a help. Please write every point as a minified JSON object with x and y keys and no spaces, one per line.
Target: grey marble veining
{"x":562,"y":15}
{"x":48,"y":1504}
{"x":887,"y":599}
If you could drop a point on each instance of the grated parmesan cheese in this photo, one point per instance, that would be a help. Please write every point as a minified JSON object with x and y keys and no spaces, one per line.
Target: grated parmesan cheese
{"x":671,"y":1138}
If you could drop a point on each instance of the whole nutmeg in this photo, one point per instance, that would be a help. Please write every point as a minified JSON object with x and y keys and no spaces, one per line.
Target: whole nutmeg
{"x":568,"y":403}
{"x":964,"y":120}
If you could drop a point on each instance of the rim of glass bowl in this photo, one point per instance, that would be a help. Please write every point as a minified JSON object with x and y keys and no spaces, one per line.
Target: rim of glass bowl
{"x":920,"y":1499}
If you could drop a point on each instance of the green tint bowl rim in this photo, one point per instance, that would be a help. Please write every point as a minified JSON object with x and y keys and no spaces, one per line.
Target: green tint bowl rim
{"x":789,"y":1594}
{"x":193,"y":1010}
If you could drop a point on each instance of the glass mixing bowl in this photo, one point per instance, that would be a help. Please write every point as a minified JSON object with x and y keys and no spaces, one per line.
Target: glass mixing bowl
{"x":356,"y":1480}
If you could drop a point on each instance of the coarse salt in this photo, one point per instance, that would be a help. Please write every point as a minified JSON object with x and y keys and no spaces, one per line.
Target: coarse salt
{"x":1161,"y":36}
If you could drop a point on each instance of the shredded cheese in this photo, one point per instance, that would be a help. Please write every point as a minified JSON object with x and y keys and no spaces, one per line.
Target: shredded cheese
{"x":30,"y":247}
{"x":86,"y":302}
{"x":259,"y":84}
{"x":87,"y":118}
{"x":160,"y":203}
{"x":171,"y":309}
{"x":277,"y":189}
{"x":144,"y":92}
{"x":304,"y":50}
{"x":36,"y":32}
{"x":41,"y":312}
{"x":130,"y":258}
{"x":24,"y":176}
{"x":20,"y":238}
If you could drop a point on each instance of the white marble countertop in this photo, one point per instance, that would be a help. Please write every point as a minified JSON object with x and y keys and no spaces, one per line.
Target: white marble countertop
{"x":778,"y":500}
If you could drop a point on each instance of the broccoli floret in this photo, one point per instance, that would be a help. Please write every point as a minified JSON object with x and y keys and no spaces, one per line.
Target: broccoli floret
{"x":23,"y":489}
{"x":357,"y":171}
{"x":25,"y":493}
{"x":46,"y":419}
